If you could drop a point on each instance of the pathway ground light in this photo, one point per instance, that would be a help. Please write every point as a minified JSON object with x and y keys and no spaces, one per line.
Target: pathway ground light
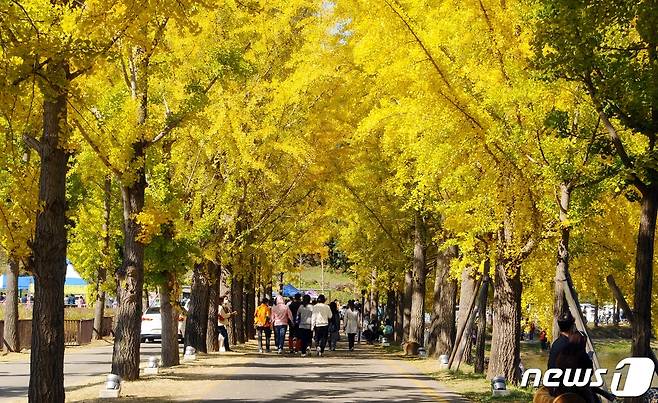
{"x":112,"y":387}
{"x":499,"y":386}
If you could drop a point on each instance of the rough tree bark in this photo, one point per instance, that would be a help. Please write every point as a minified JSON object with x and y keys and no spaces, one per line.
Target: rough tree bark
{"x":390,"y":306}
{"x":406,"y":315}
{"x":644,"y":274}
{"x":417,"y":323}
{"x":169,"y":317}
{"x":11,"y":336}
{"x":562,"y":268}
{"x":442,"y":328}
{"x":478,"y":362}
{"x":237,"y":285}
{"x":212,"y":342}
{"x":465,"y":297}
{"x":130,"y":278}
{"x":248,"y":306}
{"x":505,"y":342}
{"x":49,"y":248}
{"x":99,"y":304}
{"x":399,"y":315}
{"x":197,"y":317}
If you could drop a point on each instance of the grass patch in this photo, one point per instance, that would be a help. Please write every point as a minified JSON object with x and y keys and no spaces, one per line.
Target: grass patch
{"x":519,"y":396}
{"x":476,"y":387}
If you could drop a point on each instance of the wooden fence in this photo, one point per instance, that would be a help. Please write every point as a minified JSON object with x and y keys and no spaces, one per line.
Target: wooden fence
{"x":76,"y":332}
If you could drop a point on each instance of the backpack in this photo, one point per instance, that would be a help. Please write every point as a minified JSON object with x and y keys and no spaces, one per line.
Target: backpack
{"x":262,"y":317}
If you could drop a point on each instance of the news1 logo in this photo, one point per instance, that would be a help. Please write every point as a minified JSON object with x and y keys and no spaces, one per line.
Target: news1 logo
{"x":638,"y":379}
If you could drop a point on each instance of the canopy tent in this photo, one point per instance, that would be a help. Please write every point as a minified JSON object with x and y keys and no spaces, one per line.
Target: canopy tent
{"x":289,"y":290}
{"x":72,"y":276}
{"x":73,"y":283}
{"x":312,"y":294}
{"x":24,"y":282}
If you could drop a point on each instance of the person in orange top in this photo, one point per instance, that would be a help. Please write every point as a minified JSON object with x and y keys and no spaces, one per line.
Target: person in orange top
{"x":263,"y":324}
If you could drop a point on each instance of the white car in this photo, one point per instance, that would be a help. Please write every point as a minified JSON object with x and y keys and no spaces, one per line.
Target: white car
{"x":152,"y":324}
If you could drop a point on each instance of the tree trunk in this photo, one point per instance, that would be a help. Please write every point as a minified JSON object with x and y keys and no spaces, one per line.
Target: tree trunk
{"x":406,"y":316}
{"x":11,"y":336}
{"x":169,"y":316}
{"x":390,"y":306}
{"x":372,"y":304}
{"x":250,"y":293}
{"x":399,"y":315}
{"x":466,"y":292}
{"x":505,"y":342}
{"x":644,"y":274}
{"x":197,"y":317}
{"x":417,"y":323}
{"x":130,"y":278}
{"x":212,"y":342}
{"x":99,"y":304}
{"x":562,"y":268}
{"x":442,"y":328}
{"x":49,"y":251}
{"x":236,"y":305}
{"x":478,"y":362}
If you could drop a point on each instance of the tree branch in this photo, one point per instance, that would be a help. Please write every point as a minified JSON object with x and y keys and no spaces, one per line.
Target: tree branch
{"x":32,"y":143}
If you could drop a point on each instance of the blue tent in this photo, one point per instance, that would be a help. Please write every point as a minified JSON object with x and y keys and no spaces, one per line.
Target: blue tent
{"x":289,"y":290}
{"x":24,"y":282}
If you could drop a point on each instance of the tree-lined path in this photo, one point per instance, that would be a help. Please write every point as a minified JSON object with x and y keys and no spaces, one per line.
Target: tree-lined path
{"x":363,"y":377}
{"x":81,"y":366}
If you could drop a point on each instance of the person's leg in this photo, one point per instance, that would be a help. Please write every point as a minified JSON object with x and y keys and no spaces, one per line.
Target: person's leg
{"x":306,"y":339}
{"x":268,"y":336}
{"x":291,"y":339}
{"x":283,"y":337}
{"x":276,"y":337}
{"x":322,"y":337}
{"x":224,"y":333}
{"x":350,"y":339}
{"x":259,"y":334}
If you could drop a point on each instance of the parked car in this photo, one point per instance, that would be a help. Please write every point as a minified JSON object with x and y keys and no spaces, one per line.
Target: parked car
{"x":152,"y":323}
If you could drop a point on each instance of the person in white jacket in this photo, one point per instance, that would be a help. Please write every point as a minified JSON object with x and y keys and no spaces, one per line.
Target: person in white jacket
{"x":351,"y":323}
{"x":320,"y":323}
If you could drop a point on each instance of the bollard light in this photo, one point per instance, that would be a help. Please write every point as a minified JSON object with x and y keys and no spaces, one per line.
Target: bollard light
{"x":443,"y":359}
{"x":499,"y":387}
{"x":112,"y":388}
{"x":153,"y":362}
{"x":113,"y":382}
{"x":422,"y":353}
{"x":498,"y":383}
{"x":190,"y":354}
{"x":385,"y":342}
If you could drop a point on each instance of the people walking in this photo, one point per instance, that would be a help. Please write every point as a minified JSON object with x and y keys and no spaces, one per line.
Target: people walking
{"x":334,"y":326}
{"x":263,"y":324}
{"x":320,"y":323}
{"x":304,"y":323}
{"x":281,"y":317}
{"x":351,"y":323}
{"x":223,"y":317}
{"x":293,"y":336}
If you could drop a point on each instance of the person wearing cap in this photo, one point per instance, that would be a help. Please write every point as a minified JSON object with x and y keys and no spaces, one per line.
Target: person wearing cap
{"x":566,"y":324}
